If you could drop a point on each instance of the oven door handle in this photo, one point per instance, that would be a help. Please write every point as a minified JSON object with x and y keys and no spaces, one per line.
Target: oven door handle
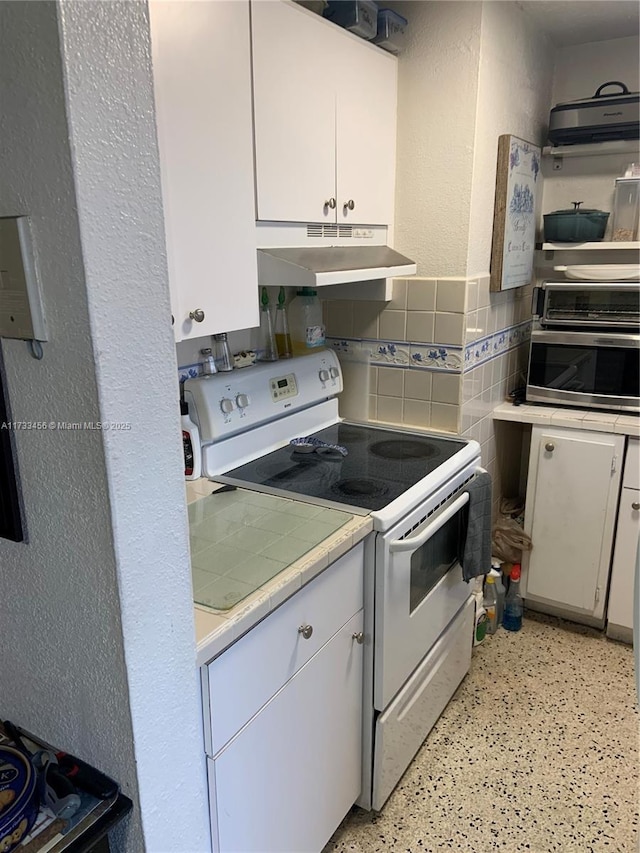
{"x":414,"y":542}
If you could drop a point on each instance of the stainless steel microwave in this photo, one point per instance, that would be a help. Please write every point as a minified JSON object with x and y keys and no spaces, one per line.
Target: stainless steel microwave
{"x":585,"y":345}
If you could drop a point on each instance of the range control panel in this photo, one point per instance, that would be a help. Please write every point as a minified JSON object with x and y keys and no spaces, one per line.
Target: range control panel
{"x":283,"y":386}
{"x":228,"y":403}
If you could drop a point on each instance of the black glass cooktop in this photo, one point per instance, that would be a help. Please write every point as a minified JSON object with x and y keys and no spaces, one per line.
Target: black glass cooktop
{"x":379,"y":466}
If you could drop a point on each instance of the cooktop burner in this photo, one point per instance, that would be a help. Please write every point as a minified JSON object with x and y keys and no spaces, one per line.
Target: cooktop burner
{"x":380,"y":465}
{"x":406,"y":449}
{"x":357,"y":487}
{"x":277,"y":473}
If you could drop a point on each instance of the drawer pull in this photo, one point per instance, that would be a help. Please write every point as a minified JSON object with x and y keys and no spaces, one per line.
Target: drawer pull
{"x":306,"y":631}
{"x":358,"y":636}
{"x":549,"y":447}
{"x":635,"y":505}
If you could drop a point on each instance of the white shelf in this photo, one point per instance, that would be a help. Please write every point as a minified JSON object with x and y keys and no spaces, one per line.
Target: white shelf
{"x":614,"y":146}
{"x":581,"y":247}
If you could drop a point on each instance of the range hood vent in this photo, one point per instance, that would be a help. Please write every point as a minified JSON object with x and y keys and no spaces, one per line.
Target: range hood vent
{"x":318,"y":266}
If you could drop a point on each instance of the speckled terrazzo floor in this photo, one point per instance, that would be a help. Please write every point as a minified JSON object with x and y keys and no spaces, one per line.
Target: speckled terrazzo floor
{"x":537,"y":751}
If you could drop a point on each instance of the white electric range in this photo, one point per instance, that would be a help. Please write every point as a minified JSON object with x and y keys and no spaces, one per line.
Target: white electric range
{"x":419,"y":612}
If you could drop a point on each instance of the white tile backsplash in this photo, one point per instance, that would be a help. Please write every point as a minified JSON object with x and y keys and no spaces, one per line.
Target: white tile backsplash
{"x":390,"y":382}
{"x":421,"y":327}
{"x":451,"y":295}
{"x":449,"y":328}
{"x":399,"y":300}
{"x":421,"y":295}
{"x":418,"y":384}
{"x":392,"y":325}
{"x":446,"y":388}
{"x":417,"y":413}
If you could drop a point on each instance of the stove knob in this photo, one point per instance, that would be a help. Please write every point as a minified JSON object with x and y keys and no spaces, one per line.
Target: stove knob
{"x":334,"y":372}
{"x":324,"y":375}
{"x":242,"y":401}
{"x":227,"y":405}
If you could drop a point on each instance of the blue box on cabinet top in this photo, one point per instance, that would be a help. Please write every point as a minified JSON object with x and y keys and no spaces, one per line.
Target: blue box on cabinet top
{"x":358,"y":16}
{"x":391,"y":30}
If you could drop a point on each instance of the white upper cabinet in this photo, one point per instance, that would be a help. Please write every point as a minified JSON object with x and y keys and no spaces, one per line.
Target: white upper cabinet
{"x":325,"y":120}
{"x":366,"y":133}
{"x":202,"y":81}
{"x":295,"y":114}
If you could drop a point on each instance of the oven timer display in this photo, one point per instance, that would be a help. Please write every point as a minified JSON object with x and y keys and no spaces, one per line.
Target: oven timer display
{"x":283,"y":387}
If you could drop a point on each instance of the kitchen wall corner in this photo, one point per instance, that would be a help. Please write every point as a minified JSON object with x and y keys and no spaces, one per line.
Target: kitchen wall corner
{"x":496,"y":350}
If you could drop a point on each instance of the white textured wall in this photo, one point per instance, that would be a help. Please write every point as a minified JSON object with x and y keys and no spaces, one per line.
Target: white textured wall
{"x":96,"y":615}
{"x":514,"y":90}
{"x":437,"y":86}
{"x":581,"y":68}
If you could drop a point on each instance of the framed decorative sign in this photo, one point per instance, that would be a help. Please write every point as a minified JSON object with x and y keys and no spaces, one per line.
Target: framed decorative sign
{"x":514,"y":226}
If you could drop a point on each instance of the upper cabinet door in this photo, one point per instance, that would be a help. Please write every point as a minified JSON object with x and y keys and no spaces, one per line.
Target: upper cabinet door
{"x":294,"y":113}
{"x":202,"y":83}
{"x":366,"y":134}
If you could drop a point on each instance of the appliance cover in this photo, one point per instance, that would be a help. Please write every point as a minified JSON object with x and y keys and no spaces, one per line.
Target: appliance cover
{"x":606,"y":115}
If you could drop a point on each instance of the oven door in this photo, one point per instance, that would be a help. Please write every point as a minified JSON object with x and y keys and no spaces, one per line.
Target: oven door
{"x":587,"y":369}
{"x":419,"y":590}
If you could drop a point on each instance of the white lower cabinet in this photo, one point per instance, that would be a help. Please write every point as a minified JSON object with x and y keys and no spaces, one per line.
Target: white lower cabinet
{"x":286,"y":767}
{"x":572,"y":494}
{"x":622,"y":592}
{"x":288,"y":778}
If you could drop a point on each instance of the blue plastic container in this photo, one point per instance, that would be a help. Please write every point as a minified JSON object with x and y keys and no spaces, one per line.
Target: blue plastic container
{"x":391,"y":30}
{"x":357,"y":16}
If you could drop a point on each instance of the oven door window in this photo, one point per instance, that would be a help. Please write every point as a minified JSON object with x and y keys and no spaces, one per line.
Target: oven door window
{"x":434,"y":559}
{"x":606,"y":371}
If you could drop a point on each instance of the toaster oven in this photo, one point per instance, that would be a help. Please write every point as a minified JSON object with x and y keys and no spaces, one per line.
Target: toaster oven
{"x":585,"y":345}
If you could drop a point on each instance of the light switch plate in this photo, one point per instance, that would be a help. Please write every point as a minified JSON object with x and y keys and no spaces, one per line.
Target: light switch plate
{"x":21,"y":309}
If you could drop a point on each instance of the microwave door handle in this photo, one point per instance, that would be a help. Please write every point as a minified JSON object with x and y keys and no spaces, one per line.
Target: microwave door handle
{"x":414,"y":542}
{"x":537,"y":301}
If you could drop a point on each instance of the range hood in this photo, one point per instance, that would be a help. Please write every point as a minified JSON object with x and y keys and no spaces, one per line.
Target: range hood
{"x":318,"y":266}
{"x":311,"y":258}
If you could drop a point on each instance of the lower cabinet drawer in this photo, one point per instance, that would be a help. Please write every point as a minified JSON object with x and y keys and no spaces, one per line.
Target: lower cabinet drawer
{"x":285,"y":782}
{"x":402,"y":728}
{"x":252,"y":670}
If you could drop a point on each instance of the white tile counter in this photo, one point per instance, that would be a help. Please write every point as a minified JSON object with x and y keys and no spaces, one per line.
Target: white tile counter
{"x":217,"y":629}
{"x":592,"y":419}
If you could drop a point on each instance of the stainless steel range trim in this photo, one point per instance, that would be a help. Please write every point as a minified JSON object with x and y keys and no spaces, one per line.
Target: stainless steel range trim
{"x":536,"y":394}
{"x":587,"y":338}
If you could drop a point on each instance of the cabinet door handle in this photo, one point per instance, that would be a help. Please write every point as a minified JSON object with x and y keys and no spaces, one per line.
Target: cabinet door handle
{"x":358,"y":636}
{"x":306,"y":631}
{"x":330,"y":204}
{"x":635,"y":505}
{"x":349,"y":205}
{"x":549,"y":447}
{"x":197,"y":315}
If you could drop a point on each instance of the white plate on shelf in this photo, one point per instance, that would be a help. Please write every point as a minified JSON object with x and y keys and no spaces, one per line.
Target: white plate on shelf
{"x":601,"y":272}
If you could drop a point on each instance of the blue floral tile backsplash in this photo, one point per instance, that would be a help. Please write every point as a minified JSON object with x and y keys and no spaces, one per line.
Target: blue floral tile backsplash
{"x":434,"y":356}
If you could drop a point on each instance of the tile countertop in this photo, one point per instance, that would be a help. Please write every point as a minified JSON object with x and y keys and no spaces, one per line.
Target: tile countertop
{"x":592,"y":419}
{"x":217,"y":629}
